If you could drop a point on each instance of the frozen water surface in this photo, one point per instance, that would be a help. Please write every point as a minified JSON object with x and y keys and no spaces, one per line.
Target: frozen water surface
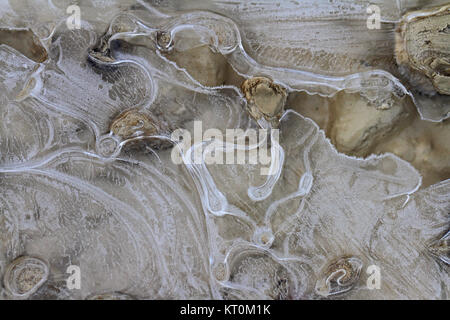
{"x":74,"y":192}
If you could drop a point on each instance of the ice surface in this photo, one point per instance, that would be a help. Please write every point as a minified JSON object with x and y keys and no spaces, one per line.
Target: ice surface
{"x":135,"y":222}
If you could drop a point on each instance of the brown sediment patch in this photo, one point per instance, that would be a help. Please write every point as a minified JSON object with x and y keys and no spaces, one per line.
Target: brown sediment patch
{"x":339,"y":276}
{"x":24,"y":276}
{"x":264,"y":98}
{"x":134,"y":124}
{"x":24,"y":41}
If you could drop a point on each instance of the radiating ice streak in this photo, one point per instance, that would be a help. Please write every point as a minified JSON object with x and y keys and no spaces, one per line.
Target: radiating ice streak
{"x":176,"y":190}
{"x":106,"y":198}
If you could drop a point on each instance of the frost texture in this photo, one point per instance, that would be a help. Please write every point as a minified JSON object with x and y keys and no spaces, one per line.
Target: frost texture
{"x":137,"y":223}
